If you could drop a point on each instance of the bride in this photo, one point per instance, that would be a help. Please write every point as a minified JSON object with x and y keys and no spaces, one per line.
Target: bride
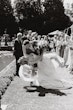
{"x":28,"y":71}
{"x":50,"y":70}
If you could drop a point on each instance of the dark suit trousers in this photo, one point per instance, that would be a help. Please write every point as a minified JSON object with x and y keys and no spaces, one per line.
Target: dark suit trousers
{"x":17,"y":66}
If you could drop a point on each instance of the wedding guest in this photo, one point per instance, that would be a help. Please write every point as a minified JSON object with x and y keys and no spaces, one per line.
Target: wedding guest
{"x":0,"y":41}
{"x":6,"y":36}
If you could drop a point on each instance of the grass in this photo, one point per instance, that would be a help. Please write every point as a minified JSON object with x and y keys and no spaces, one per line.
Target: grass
{"x":5,"y":60}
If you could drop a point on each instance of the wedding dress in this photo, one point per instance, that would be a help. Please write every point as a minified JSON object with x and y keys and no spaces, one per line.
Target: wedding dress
{"x":49,"y":73}
{"x":53,"y":75}
{"x":67,"y":56}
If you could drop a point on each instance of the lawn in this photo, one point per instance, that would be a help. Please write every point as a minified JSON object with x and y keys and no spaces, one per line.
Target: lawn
{"x":5,"y":59}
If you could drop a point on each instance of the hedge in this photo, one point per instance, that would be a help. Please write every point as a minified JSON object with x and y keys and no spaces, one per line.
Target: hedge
{"x":6,"y":76}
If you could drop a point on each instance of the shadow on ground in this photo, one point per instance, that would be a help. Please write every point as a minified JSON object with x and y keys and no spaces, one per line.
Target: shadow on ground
{"x":43,"y":91}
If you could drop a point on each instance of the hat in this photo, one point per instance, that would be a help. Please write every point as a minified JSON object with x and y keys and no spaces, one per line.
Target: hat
{"x":26,"y":42}
{"x":19,"y":34}
{"x":34,"y":43}
{"x":24,"y":37}
{"x":33,"y":33}
{"x":30,"y":31}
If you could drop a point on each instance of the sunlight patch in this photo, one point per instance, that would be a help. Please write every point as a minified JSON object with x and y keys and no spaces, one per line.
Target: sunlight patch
{"x":3,"y":107}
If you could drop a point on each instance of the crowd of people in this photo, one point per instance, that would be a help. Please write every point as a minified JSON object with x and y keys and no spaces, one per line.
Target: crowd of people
{"x":30,"y":48}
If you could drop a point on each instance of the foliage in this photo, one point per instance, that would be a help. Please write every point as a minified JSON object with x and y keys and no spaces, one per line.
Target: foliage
{"x":54,"y":15}
{"x":5,"y":7}
{"x":28,"y":9}
{"x":39,"y":16}
{"x":31,"y":15}
{"x":6,"y":16}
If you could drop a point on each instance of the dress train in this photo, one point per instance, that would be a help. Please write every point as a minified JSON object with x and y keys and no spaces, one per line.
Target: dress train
{"x":49,"y":74}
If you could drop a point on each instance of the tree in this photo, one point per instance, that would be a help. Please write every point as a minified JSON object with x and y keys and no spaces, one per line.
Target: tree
{"x":6,"y":16}
{"x":27,"y":9}
{"x":42,"y":17}
{"x":5,"y":10}
{"x":54,"y":16}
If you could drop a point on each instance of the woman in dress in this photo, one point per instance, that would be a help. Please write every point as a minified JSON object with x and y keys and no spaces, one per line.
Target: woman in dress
{"x":51,"y":74}
{"x":28,"y":71}
{"x":67,"y":53}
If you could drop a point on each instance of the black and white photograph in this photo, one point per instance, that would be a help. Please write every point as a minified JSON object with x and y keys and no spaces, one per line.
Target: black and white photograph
{"x":36,"y":54}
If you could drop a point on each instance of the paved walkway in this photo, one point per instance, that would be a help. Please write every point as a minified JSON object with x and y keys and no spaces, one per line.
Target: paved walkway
{"x":19,"y":96}
{"x":6,"y":53}
{"x":6,"y":57}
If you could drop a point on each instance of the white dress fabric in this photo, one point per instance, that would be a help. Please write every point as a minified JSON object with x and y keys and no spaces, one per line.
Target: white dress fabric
{"x":50,"y":74}
{"x":25,"y":73}
{"x":55,"y":59}
{"x":58,"y":46}
{"x":67,"y":57}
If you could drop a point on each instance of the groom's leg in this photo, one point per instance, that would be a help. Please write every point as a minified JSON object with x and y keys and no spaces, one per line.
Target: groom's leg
{"x":17,"y":66}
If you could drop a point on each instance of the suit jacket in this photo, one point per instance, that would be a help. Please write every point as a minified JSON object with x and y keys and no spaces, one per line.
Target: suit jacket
{"x":18,"y":52}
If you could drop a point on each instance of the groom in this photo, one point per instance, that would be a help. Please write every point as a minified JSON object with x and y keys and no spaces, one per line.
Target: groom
{"x":18,"y":52}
